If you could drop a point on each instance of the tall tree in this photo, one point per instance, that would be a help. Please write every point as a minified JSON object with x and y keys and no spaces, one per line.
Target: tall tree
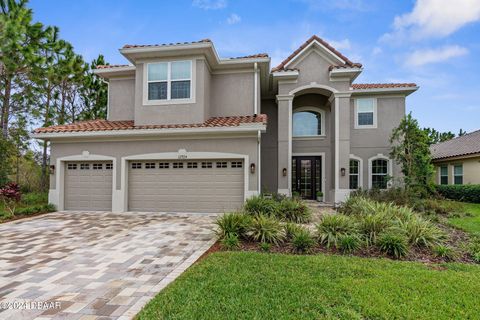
{"x":435,"y":136}
{"x":462,"y":133}
{"x":411,"y":149}
{"x":94,"y":93}
{"x":19,"y":40}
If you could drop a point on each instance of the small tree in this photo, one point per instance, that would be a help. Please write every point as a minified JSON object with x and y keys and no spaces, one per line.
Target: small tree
{"x":410,"y":149}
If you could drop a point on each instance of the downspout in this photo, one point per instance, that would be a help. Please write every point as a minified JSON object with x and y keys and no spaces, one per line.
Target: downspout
{"x":259,"y":133}
{"x":259,"y":161}
{"x":255,"y":89}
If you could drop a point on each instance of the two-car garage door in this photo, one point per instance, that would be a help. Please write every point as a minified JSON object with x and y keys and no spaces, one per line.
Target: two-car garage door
{"x":186,"y":185}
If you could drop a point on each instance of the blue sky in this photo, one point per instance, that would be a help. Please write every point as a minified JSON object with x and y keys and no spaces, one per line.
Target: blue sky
{"x":434,"y":43}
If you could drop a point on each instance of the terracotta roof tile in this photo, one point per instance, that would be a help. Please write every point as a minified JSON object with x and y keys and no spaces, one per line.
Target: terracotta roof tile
{"x":348,"y":63}
{"x":460,"y":146}
{"x":258,"y":55}
{"x":108,"y":66}
{"x":105,"y":125}
{"x":128,"y":46}
{"x":364,"y":86}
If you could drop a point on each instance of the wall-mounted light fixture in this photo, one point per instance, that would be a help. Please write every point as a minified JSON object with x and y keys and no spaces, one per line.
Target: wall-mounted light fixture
{"x":252,"y":168}
{"x":342,"y":172}
{"x":52,"y":169}
{"x":284,"y":172}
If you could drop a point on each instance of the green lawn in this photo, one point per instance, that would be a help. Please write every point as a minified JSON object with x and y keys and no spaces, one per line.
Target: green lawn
{"x":470,"y":224}
{"x":249,"y":285}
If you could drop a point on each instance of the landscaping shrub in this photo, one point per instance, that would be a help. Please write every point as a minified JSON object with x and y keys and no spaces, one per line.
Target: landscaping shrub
{"x":349,"y":243}
{"x":439,"y":207}
{"x":34,"y":198}
{"x":290,"y":229}
{"x":474,"y":248}
{"x":371,"y":225}
{"x":265,"y":246}
{"x":398,"y":196}
{"x":266,"y":229}
{"x":258,"y":205}
{"x":233,"y":223}
{"x":230,"y":242}
{"x":294,"y":210}
{"x":332,"y":227}
{"x":10,"y":195}
{"x":302,"y":241}
{"x":465,"y":192}
{"x":444,"y":251}
{"x":39,"y":208}
{"x":421,"y":233}
{"x":393,"y":243}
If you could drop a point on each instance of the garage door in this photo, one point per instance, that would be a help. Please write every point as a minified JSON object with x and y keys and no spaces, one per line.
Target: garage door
{"x":88,"y":186}
{"x":186,"y":186}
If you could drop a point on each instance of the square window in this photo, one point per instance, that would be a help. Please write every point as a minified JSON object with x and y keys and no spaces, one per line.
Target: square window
{"x":109,"y":166}
{"x":180,"y":89}
{"x":206,"y":165}
{"x":181,"y":70}
{"x":136,"y":165}
{"x":157,"y":91}
{"x":192,"y":165}
{"x":72,"y":166}
{"x":158,"y":71}
{"x":177,"y":165}
{"x":237,"y":164}
{"x":97,"y":166}
{"x":150,"y":165}
{"x":365,"y":118}
{"x":163,"y":165}
{"x":84,"y":166}
{"x":221,"y":164}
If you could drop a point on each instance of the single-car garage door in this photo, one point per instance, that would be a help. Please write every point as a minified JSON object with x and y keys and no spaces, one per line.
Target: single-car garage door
{"x":186,"y":186}
{"x":88,"y":186}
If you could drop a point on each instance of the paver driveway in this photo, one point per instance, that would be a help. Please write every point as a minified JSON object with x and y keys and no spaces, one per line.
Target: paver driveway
{"x":92,"y":265}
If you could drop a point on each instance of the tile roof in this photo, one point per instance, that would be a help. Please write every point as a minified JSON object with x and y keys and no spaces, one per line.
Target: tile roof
{"x":348,"y":63}
{"x":105,"y":125}
{"x":258,"y":55}
{"x":460,"y":146}
{"x":364,"y":86}
{"x":129,"y":46}
{"x":108,"y":66}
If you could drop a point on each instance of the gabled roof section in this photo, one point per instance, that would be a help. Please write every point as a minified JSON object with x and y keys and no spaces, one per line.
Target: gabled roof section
{"x":466,"y":145}
{"x":347,"y":63}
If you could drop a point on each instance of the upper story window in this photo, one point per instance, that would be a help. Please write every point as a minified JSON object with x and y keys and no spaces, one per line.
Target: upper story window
{"x":365,"y":113}
{"x":169,"y":80}
{"x":308,"y":122}
{"x":444,"y":175}
{"x":458,"y":174}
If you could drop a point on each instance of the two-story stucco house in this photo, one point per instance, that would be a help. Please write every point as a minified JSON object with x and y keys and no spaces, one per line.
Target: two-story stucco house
{"x":188,"y":131}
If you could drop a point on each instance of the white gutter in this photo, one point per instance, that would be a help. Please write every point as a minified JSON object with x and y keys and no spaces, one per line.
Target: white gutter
{"x":150,"y":132}
{"x":385,"y":90}
{"x":259,"y":162}
{"x":255,"y":87}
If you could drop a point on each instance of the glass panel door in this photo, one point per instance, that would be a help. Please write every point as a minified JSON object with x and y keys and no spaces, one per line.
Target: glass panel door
{"x":306,"y":179}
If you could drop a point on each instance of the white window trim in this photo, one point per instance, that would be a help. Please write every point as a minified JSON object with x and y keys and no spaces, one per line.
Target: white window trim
{"x":389,"y":169}
{"x":358,"y":126}
{"x":322,"y":122}
{"x":454,"y":175}
{"x":360,"y":171}
{"x":169,"y":101}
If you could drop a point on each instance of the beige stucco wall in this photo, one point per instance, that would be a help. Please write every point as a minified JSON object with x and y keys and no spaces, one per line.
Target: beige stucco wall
{"x":471,"y":170}
{"x":232,"y":94}
{"x":121,"y":99}
{"x":119,"y":149}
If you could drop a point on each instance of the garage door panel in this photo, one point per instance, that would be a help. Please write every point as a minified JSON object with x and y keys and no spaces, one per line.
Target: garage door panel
{"x":88,"y":188}
{"x":185,"y":189}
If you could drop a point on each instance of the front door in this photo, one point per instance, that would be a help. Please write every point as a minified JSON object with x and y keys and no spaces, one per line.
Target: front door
{"x":307,"y":176}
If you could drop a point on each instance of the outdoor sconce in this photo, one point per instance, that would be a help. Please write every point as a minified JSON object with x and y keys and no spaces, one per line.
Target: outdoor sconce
{"x":52,"y":169}
{"x":284,"y":172}
{"x":342,"y":172}
{"x":252,"y":168}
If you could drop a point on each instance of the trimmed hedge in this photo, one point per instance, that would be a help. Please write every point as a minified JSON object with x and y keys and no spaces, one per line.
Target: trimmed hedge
{"x":465,"y":192}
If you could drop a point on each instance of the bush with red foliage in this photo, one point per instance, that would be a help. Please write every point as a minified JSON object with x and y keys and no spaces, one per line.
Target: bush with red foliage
{"x":11,"y":192}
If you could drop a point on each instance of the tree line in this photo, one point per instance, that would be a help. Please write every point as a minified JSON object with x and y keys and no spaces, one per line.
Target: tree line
{"x":43,"y":82}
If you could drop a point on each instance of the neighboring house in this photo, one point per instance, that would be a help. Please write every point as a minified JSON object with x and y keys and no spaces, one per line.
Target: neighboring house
{"x":188,"y":131}
{"x":457,"y":161}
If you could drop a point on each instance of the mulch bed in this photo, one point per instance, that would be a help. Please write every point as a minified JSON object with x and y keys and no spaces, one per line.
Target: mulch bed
{"x":22,"y":216}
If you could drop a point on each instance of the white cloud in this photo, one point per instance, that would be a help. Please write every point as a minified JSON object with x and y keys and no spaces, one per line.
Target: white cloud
{"x":234,"y":18}
{"x":210,"y":4}
{"x":341,"y":44}
{"x":435,"y":19}
{"x":426,"y":56}
{"x":377,"y":51}
{"x":349,"y":5}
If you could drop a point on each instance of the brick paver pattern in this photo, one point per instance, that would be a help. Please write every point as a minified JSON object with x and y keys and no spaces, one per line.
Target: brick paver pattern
{"x":96,"y":265}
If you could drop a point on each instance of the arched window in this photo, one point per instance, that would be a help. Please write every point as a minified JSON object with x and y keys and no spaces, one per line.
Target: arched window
{"x":308,"y":122}
{"x":379,"y":173}
{"x":354,"y":173}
